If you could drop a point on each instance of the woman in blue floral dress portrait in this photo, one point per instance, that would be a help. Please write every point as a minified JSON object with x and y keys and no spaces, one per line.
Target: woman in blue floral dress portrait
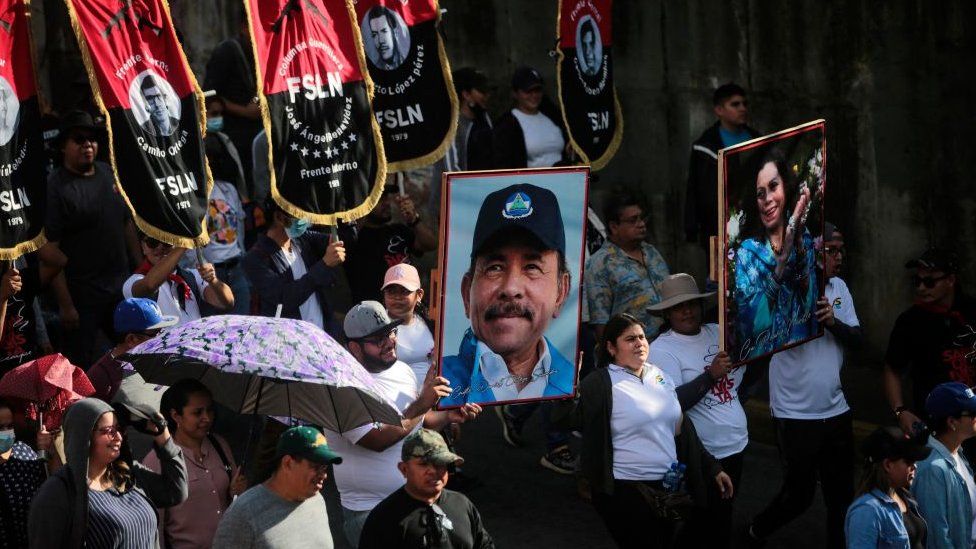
{"x":775,"y":270}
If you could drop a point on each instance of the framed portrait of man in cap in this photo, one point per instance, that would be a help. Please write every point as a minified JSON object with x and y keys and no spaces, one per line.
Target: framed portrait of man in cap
{"x":771,"y":232}
{"x":510,"y":270}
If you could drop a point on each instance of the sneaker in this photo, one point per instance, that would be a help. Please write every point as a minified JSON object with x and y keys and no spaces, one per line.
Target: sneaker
{"x":511,"y":431}
{"x":560,"y":460}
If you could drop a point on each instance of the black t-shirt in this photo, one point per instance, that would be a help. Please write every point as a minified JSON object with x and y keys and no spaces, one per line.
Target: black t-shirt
{"x":406,"y":523}
{"x":19,"y":341}
{"x":935,"y":347}
{"x":87,"y":216}
{"x":370,"y":252}
{"x":230,"y":71}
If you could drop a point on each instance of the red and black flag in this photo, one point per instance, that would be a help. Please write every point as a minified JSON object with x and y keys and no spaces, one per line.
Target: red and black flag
{"x":584,"y":75}
{"x":326,"y":156}
{"x":144,"y":86}
{"x":415,"y":103}
{"x":22,"y":180}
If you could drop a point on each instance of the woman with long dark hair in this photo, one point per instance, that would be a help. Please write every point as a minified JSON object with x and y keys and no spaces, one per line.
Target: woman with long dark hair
{"x":213,"y":477}
{"x":629,"y":415}
{"x":885,"y":513}
{"x":100,"y":498}
{"x":776,"y":286}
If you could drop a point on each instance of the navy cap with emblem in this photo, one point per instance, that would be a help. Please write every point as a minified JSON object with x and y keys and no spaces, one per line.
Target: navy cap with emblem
{"x":524,"y":206}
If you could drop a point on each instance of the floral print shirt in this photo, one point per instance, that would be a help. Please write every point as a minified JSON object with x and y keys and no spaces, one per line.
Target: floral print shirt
{"x":616,"y":283}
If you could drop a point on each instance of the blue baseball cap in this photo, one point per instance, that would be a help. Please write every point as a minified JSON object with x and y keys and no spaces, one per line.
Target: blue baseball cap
{"x":950,"y":400}
{"x":139,"y":314}
{"x":523,"y":206}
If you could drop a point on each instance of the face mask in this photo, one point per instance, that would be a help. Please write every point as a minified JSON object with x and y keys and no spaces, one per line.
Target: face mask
{"x":297,"y":228}
{"x":6,"y":440}
{"x":215,"y":124}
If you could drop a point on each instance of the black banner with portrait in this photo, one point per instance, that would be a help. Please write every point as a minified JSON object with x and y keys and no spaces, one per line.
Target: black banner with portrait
{"x":584,"y":75}
{"x":144,"y":86}
{"x":415,"y":103}
{"x":326,"y":155}
{"x":22,"y":180}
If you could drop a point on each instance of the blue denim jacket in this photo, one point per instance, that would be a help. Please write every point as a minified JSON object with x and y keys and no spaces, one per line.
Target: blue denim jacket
{"x":874,"y":521}
{"x":943,"y":499}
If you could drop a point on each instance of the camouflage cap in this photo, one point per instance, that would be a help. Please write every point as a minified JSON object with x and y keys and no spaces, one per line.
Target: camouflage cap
{"x":429,"y":446}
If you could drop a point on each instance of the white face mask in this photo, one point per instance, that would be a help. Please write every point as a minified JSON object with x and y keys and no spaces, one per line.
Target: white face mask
{"x":7,"y":440}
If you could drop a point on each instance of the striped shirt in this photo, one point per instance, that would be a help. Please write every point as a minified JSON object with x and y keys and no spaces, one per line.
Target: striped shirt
{"x":120,"y":521}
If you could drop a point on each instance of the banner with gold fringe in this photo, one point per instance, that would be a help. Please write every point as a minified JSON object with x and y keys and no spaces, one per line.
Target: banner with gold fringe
{"x":584,"y":76}
{"x":326,"y":156}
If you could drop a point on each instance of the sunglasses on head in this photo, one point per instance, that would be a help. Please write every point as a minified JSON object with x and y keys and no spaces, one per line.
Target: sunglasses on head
{"x":927,"y":281}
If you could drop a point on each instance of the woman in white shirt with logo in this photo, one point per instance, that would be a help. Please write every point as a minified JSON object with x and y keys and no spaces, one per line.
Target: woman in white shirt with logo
{"x":402,"y":295}
{"x":707,"y":389}
{"x":629,"y":415}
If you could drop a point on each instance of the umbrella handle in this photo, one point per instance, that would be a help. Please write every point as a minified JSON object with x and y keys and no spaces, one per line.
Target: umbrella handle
{"x":278,"y":311}
{"x":41,"y":454}
{"x":200,"y":258}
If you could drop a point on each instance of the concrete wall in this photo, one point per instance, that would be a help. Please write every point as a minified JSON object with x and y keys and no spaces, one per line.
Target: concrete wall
{"x":894,"y":80}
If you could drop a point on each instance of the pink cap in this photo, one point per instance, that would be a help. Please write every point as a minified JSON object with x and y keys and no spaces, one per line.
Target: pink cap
{"x":405,"y":275}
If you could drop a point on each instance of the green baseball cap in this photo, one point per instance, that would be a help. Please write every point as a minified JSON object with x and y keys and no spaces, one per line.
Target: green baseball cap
{"x":429,"y":446}
{"x":306,"y":443}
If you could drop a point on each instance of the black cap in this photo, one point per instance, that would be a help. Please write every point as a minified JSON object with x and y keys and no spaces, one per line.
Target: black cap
{"x":470,"y":78}
{"x":936,"y":260}
{"x":522,"y":206}
{"x":890,"y":443}
{"x":526,"y":78}
{"x":79,"y":119}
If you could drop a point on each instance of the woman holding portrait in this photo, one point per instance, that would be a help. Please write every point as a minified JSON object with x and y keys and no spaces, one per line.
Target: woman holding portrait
{"x":776,"y":286}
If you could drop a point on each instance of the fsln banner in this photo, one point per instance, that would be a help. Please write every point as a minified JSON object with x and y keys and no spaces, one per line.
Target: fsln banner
{"x":326,"y":155}
{"x":584,"y":74}
{"x":144,"y":86}
{"x":22,"y":180}
{"x":415,"y":103}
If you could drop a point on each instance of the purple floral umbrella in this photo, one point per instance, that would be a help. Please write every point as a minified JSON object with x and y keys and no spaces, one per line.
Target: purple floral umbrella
{"x":267,"y":366}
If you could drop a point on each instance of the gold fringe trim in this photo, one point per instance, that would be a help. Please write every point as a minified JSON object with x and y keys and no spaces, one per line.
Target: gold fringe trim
{"x":618,"y":131}
{"x":377,"y":188}
{"x":445,"y":144}
{"x":180,"y":241}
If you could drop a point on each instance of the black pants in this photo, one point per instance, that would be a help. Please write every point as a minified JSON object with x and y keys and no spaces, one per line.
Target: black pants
{"x":712,"y":527}
{"x":628,"y":518}
{"x":812,"y":449}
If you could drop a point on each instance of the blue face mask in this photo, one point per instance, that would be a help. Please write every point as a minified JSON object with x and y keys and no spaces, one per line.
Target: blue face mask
{"x":297,"y":228}
{"x":215,"y":124}
{"x":7,"y":440}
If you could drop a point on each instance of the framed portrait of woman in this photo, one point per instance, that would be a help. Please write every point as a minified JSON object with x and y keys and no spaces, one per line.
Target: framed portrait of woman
{"x":771,"y":197}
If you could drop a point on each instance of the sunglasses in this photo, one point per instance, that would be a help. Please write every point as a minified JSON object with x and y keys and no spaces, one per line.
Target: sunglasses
{"x":927,"y":281}
{"x":152,"y":243}
{"x":380,"y":340}
{"x":82,"y":138}
{"x":109,"y":431}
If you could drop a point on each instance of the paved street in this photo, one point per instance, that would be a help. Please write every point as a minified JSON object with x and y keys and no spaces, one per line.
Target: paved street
{"x":524,"y":505}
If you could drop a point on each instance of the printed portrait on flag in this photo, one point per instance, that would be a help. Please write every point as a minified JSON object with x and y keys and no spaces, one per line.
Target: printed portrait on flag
{"x":772,"y":189}
{"x":510,"y":267}
{"x":584,"y":76}
{"x":326,"y":157}
{"x":385,"y":38}
{"x":144,"y":87}
{"x":415,"y":103}
{"x":23,"y":179}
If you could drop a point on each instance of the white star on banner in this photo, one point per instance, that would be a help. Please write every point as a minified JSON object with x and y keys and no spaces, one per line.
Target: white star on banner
{"x":335,"y":151}
{"x":317,"y":153}
{"x":304,"y":151}
{"x":294,"y":146}
{"x":345,"y":146}
{"x":352,"y":138}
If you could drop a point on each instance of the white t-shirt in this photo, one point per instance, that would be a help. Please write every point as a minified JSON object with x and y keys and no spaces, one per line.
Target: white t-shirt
{"x":543,"y":141}
{"x":718,"y":416}
{"x":970,"y":485}
{"x":366,"y":477}
{"x":642,"y":423}
{"x":804,"y":382}
{"x":311,"y":311}
{"x":414,"y":344}
{"x":167,"y":299}
{"x":225,"y":223}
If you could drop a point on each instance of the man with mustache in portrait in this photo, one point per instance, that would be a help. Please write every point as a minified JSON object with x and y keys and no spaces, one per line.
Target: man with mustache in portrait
{"x":516,"y":284}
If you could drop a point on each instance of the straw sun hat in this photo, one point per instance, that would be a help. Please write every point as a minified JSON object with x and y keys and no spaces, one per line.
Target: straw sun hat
{"x":676,"y":289}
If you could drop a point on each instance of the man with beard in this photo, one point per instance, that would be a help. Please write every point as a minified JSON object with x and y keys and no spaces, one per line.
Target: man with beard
{"x":378,"y":243}
{"x":383,"y":25}
{"x":160,"y":122}
{"x":371,"y":452}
